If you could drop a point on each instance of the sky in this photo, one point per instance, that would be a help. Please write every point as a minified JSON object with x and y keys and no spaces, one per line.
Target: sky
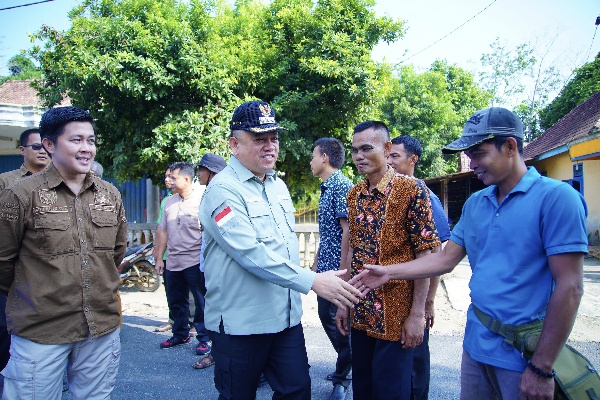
{"x":568,"y":25}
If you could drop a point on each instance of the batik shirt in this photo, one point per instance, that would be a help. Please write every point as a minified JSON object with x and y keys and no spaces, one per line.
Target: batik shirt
{"x":332,"y":207}
{"x":388,"y":225}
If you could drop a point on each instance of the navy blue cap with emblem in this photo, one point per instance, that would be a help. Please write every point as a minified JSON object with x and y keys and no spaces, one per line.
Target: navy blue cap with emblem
{"x":254,"y":116}
{"x":486,"y":124}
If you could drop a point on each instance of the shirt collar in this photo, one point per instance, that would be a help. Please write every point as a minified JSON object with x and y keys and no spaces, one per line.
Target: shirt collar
{"x":243,"y":173}
{"x":25,"y":171}
{"x":53,"y":178}
{"x":389,"y":174}
{"x":526,"y":182}
{"x":333,"y":177}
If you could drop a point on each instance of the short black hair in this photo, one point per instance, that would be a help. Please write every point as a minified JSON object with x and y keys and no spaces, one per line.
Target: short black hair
{"x":24,"y":138}
{"x":377,"y":126}
{"x":54,"y":120}
{"x":184,"y":168}
{"x":411,"y":145}
{"x":334,"y":149}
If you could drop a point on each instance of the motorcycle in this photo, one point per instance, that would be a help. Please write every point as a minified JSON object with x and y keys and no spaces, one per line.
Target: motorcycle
{"x":137,"y":268}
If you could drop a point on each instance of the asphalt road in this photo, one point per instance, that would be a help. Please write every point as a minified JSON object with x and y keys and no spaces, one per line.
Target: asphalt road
{"x":148,"y":372}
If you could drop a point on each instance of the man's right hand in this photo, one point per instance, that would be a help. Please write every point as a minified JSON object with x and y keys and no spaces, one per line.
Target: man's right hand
{"x":159,"y":265}
{"x":329,"y":286}
{"x":342,"y":321}
{"x":371,"y":277}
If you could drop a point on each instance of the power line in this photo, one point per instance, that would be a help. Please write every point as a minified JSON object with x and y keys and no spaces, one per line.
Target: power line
{"x":448,"y":34}
{"x":26,"y":5}
{"x":593,"y":37}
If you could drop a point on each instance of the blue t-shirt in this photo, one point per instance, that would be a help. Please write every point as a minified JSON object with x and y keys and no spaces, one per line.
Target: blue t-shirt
{"x":332,"y":207}
{"x":439,"y":217}
{"x":508,"y":247}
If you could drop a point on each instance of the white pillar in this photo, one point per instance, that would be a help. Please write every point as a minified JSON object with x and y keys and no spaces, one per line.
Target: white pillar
{"x":152,"y":203}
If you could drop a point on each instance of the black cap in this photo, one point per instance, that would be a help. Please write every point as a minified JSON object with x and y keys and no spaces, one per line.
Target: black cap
{"x":55,"y":118}
{"x":254,"y":116}
{"x":212,"y":162}
{"x":486,"y":124}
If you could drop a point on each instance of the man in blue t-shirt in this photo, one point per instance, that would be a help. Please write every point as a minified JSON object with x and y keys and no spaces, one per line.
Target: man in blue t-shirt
{"x":327,"y":158}
{"x":405,"y":154}
{"x":525,"y":236}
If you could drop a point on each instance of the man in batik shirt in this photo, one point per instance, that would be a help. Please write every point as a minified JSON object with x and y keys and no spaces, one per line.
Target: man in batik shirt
{"x":390,"y":219}
{"x":328,"y":157}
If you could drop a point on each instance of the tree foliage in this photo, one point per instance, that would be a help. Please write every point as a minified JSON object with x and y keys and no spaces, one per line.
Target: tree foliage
{"x":163,"y":77}
{"x":433,"y":107}
{"x":521,"y":79}
{"x":585,"y":82}
{"x":21,"y":67}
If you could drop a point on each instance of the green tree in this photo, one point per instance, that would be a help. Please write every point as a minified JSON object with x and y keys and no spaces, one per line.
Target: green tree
{"x":585,"y":82}
{"x":317,"y":71}
{"x":433,"y":107}
{"x":163,"y":77}
{"x":146,"y":70}
{"x":21,"y":67}
{"x":521,"y":79}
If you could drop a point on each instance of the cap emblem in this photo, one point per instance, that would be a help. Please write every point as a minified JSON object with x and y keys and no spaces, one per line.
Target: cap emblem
{"x":475,"y":119}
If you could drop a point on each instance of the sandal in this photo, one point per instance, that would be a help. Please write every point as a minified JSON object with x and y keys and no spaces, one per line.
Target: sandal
{"x":204,"y":362}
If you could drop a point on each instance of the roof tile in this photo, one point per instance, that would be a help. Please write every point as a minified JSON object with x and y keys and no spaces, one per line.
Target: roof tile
{"x":579,"y":122}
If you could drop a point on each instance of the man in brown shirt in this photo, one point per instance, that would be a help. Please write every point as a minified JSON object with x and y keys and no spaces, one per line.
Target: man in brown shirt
{"x":64,"y":234}
{"x":390,"y":219}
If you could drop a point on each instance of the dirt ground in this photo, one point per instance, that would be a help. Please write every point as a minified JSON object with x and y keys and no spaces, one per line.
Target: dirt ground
{"x":452,"y":300}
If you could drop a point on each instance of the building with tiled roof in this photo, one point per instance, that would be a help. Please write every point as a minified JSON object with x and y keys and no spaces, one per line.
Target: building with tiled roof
{"x":20,"y":109}
{"x":570,"y":151}
{"x":19,"y":93}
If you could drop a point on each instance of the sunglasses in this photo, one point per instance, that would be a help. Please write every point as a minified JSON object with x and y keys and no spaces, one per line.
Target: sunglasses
{"x":35,"y":146}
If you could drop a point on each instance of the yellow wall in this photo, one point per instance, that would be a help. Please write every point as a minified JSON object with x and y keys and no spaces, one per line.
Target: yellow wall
{"x":591,"y":186}
{"x":561,"y":167}
{"x":558,"y":167}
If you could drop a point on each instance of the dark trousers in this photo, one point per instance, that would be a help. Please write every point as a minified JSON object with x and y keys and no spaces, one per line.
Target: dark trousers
{"x":340,"y":343}
{"x":420,"y":371}
{"x":179,"y":284}
{"x":191,"y":298}
{"x":4,"y":336}
{"x":164,"y":278}
{"x":380,"y":368}
{"x":240,"y":360}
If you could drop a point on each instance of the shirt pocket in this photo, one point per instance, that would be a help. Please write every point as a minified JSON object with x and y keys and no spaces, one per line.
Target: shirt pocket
{"x":53,"y":233}
{"x":288,"y":211}
{"x":105,"y":233}
{"x":260,"y":216}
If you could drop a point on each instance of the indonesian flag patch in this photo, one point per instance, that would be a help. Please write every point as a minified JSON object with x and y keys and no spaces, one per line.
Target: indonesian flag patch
{"x":224,"y":216}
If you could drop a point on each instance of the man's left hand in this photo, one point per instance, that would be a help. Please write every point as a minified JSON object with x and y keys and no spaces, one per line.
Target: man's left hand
{"x":429,"y":314}
{"x":412,"y":331}
{"x":534,"y":387}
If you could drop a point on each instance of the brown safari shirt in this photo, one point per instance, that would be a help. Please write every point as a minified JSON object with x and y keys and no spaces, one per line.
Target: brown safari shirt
{"x":388,"y":225}
{"x":58,"y":257}
{"x":8,"y":178}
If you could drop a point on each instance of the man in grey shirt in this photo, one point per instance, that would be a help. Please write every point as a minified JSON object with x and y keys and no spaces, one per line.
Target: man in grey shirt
{"x":180,"y":231}
{"x":253,"y":277}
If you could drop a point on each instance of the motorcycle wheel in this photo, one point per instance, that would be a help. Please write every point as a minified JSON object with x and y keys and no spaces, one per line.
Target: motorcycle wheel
{"x":148,"y":280}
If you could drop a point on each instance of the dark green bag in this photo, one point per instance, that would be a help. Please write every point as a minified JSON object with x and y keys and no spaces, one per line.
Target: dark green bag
{"x":576,"y":378}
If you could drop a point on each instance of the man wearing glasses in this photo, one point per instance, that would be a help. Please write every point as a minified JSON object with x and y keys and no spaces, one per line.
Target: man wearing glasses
{"x":35,"y":158}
